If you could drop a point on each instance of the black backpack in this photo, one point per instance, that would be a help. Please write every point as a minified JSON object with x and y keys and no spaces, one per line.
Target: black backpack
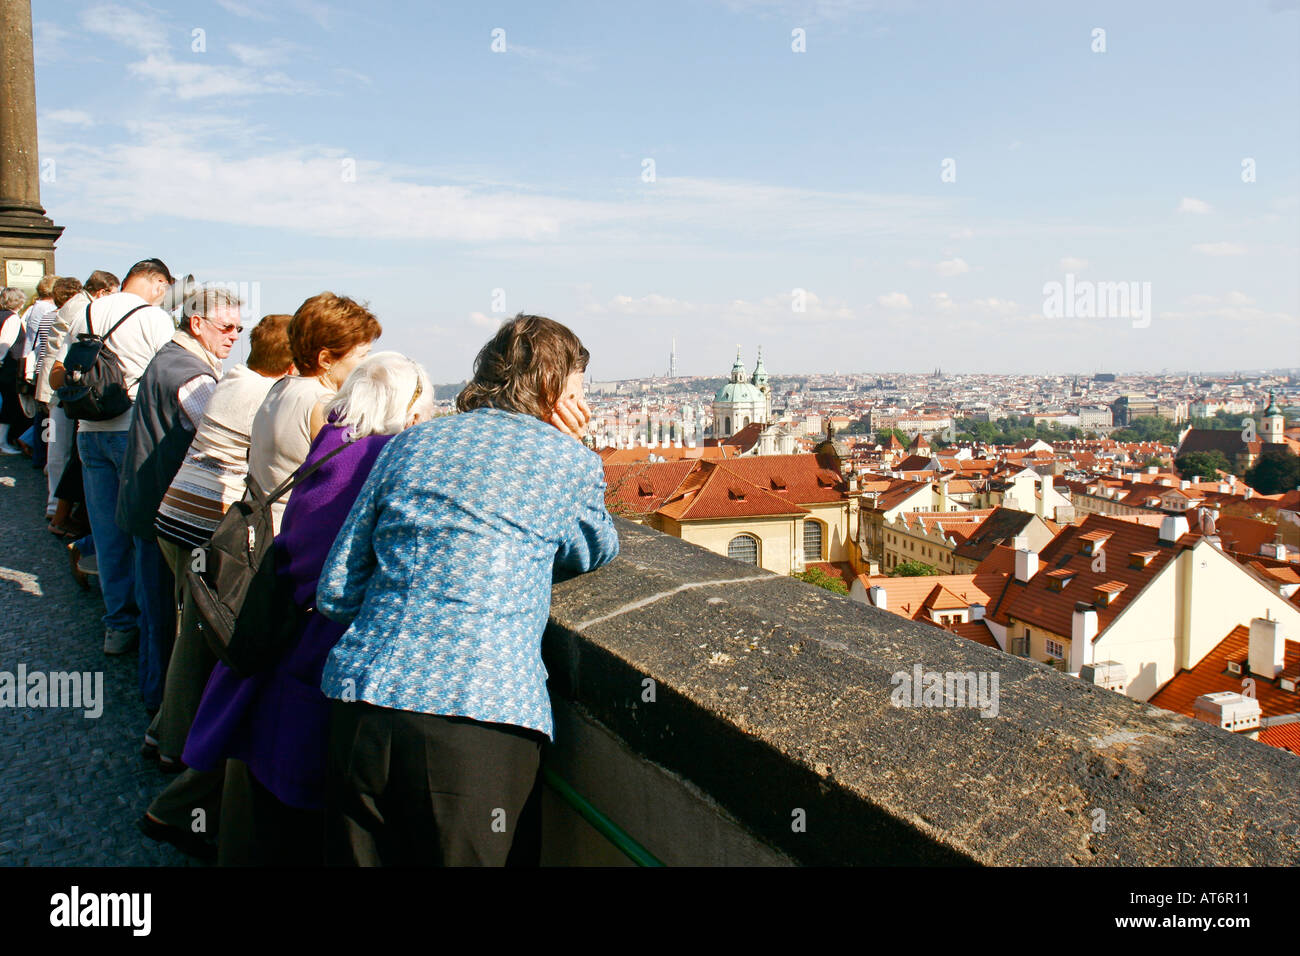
{"x":245,"y":610}
{"x":94,"y":385}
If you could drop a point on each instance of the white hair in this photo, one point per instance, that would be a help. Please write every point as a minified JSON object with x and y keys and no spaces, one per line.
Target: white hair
{"x":380,"y":396}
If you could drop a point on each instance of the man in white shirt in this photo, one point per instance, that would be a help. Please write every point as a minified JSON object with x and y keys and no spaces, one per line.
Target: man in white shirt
{"x":102,"y":445}
{"x":61,"y":430}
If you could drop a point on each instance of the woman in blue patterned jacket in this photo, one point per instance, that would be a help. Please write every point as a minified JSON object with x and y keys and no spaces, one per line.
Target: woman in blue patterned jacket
{"x":443,"y":573}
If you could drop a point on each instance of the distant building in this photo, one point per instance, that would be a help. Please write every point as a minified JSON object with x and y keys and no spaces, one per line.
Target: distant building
{"x":741,"y":402}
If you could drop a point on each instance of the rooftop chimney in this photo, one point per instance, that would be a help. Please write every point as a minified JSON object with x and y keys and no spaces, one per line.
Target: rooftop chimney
{"x":977,"y":612}
{"x":1026,"y":564}
{"x":1172,"y":528}
{"x":1266,"y":648}
{"x":1228,"y":709}
{"x":878,"y":597}
{"x":1083,"y":631}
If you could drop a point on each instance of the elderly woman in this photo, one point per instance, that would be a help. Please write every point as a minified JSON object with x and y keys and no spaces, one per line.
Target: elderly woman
{"x":273,"y":727}
{"x":443,"y":573}
{"x":329,"y":336}
{"x":12,"y":418}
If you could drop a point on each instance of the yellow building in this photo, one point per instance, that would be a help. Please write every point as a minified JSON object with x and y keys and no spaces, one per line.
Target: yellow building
{"x":779,"y":512}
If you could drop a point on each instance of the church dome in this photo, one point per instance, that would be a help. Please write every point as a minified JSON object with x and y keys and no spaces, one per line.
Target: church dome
{"x":1272,"y":407}
{"x":738,"y":392}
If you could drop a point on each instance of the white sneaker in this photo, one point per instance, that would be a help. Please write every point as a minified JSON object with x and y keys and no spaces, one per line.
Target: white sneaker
{"x":7,"y":449}
{"x":120,"y":642}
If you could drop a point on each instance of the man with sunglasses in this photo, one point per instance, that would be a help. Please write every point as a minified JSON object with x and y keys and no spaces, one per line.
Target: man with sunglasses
{"x":173,"y":395}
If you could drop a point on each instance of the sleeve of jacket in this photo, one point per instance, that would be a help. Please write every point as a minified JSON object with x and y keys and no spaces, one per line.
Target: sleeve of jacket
{"x":351,"y":561}
{"x":591,"y":539}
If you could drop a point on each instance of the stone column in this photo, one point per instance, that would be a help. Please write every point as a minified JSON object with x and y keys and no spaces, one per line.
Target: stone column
{"x":27,"y":236}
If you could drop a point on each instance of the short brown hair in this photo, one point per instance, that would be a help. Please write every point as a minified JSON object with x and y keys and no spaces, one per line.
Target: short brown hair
{"x":45,"y":286}
{"x":331,"y":322}
{"x":268,"y":350}
{"x":65,"y":287}
{"x":101,"y":281}
{"x":523,"y":367}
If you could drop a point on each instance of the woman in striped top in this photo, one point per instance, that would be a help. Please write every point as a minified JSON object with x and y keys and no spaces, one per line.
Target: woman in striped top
{"x":209,"y":481}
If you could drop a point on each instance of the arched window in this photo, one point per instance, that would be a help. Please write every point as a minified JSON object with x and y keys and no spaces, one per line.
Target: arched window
{"x":726,"y":428}
{"x":812,"y":540}
{"x":746,"y":425}
{"x":743,"y":547}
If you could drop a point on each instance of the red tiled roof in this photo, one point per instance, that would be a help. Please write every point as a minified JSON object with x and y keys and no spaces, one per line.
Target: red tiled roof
{"x":641,"y":489}
{"x":724,"y":494}
{"x":1035,"y":603}
{"x":1001,"y":560}
{"x":623,"y":456}
{"x":1244,"y":535}
{"x":1282,"y":736}
{"x":1211,"y":676}
{"x":977,"y":631}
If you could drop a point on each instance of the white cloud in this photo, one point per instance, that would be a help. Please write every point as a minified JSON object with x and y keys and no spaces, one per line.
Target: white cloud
{"x":140,"y":31}
{"x":47,"y":40}
{"x":268,"y":54}
{"x":952,"y":267}
{"x":192,"y":77}
{"x":895,"y":300}
{"x":246,"y":10}
{"x":769,"y":312}
{"x":1195,"y":206}
{"x":69,"y":117}
{"x":1220,"y":248}
{"x":1074,"y":264}
{"x":198,"y":80}
{"x":484,"y":321}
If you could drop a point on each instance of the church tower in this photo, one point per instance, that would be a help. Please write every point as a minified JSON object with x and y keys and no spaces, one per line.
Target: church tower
{"x":761,"y":383}
{"x":739,"y":402}
{"x":1273,"y":426}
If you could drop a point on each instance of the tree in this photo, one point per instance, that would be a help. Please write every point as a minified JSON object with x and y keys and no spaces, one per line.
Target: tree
{"x":882,"y":436}
{"x":913,"y":569}
{"x":823,"y":580}
{"x":1208,"y":464}
{"x":1276,"y":471}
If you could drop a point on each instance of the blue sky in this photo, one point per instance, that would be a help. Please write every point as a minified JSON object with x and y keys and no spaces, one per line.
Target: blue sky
{"x":385,"y":151}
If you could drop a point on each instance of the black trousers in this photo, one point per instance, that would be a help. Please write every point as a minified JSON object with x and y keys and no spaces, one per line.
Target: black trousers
{"x":258,"y":830}
{"x":408,"y":789}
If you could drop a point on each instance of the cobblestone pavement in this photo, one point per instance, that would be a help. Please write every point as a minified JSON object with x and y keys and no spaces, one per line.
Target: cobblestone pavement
{"x":71,"y":787}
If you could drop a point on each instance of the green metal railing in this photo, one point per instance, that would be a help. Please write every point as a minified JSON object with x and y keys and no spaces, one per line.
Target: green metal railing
{"x":602,"y":824}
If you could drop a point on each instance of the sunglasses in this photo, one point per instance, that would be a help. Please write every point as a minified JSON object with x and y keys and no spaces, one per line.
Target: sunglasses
{"x":225,"y":329}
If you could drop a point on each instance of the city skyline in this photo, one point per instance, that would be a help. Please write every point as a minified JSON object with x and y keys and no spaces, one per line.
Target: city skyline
{"x":902,"y":180}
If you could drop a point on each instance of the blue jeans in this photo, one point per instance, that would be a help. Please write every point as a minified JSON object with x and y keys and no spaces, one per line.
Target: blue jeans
{"x":102,"y":457}
{"x":155,"y":596}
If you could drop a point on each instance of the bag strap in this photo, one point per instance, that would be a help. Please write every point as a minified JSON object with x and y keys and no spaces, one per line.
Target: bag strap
{"x":119,"y":321}
{"x":295,"y":479}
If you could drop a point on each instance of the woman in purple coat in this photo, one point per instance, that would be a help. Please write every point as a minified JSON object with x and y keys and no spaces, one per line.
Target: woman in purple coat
{"x":272,"y":729}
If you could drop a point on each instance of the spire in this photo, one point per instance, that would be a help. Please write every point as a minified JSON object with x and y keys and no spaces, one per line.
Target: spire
{"x":1272,"y":406}
{"x":738,"y":373}
{"x":760,"y":373}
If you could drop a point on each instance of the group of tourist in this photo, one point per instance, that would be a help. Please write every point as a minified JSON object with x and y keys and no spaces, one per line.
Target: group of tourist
{"x":404,"y":722}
